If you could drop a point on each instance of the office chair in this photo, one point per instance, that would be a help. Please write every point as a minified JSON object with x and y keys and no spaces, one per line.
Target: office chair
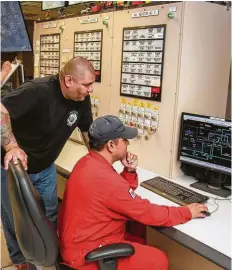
{"x":35,"y":234}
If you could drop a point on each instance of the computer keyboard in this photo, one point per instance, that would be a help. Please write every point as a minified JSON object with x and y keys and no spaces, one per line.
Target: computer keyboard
{"x":172,"y":191}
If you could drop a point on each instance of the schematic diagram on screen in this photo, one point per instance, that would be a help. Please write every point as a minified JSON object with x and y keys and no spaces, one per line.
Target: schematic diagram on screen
{"x":207,"y":143}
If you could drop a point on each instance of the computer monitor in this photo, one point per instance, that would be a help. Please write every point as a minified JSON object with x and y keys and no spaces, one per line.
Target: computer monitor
{"x":71,"y":3}
{"x":205,"y":142}
{"x":48,"y":5}
{"x":14,"y":36}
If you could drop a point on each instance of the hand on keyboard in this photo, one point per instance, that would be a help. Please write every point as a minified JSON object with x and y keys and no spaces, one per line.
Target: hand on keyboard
{"x":196,"y":209}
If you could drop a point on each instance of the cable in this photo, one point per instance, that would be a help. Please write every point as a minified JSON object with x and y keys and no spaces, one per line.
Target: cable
{"x":217,"y":206}
{"x":217,"y":199}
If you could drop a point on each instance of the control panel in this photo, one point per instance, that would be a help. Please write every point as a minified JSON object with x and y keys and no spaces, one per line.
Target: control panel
{"x":142,"y":62}
{"x":88,"y":44}
{"x":142,"y":115}
{"x":49,"y":54}
{"x":151,"y":62}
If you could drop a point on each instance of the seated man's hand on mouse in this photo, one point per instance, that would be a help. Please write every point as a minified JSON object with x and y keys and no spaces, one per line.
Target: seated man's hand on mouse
{"x":196,"y":209}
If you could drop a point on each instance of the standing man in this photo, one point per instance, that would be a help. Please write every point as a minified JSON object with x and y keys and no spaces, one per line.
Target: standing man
{"x":98,"y":202}
{"x":36,"y":121}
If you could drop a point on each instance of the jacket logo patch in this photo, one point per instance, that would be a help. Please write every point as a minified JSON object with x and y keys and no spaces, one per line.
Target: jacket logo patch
{"x":131,"y":192}
{"x":72,"y":118}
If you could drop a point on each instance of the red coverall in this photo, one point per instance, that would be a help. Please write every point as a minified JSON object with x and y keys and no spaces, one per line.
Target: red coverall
{"x":96,"y":205}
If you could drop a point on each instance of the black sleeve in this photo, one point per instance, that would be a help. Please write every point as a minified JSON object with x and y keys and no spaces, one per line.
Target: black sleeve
{"x":21,"y":100}
{"x":86,"y":118}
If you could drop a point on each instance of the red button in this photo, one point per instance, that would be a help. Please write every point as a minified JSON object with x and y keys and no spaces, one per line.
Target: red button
{"x":155,"y":90}
{"x":136,"y":3}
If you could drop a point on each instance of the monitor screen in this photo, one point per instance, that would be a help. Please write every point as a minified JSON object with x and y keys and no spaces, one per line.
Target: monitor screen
{"x":206,"y":142}
{"x":70,"y":3}
{"x":52,"y":4}
{"x":14,"y":36}
{"x":74,"y":2}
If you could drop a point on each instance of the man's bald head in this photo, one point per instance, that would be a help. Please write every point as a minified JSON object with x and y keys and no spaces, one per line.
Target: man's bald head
{"x":77,"y":78}
{"x":77,"y":68}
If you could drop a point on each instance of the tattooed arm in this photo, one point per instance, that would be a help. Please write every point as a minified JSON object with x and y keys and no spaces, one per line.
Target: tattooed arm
{"x":7,"y":137}
{"x":9,"y":142}
{"x":85,"y":139}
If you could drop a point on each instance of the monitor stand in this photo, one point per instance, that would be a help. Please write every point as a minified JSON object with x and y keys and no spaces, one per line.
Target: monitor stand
{"x":214,"y":185}
{"x":223,"y":192}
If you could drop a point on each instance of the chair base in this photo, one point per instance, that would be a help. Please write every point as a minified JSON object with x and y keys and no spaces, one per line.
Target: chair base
{"x":103,"y":265}
{"x":108,"y":264}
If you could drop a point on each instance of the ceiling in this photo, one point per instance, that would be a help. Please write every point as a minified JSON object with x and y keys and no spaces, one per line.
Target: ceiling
{"x":32,"y":10}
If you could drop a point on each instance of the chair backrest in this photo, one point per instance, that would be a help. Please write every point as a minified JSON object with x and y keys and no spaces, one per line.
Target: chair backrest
{"x":34,"y":232}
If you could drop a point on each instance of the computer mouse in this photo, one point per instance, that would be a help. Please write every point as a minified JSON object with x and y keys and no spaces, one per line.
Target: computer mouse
{"x":207,"y":214}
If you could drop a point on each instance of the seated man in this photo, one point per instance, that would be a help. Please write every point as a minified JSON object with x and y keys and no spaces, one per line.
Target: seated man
{"x":98,"y":201}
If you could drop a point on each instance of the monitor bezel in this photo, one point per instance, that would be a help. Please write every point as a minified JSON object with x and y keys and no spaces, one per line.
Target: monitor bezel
{"x":181,"y":135}
{"x":65,"y":5}
{"x":30,"y":42}
{"x":82,"y":2}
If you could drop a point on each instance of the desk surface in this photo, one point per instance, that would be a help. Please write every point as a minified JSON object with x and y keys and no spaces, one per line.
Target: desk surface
{"x":213,"y":232}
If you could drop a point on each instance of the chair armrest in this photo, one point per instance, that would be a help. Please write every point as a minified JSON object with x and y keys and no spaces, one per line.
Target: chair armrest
{"x":110,"y":251}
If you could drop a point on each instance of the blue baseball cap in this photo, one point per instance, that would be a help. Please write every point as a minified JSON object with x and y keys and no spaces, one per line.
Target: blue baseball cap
{"x":110,"y":127}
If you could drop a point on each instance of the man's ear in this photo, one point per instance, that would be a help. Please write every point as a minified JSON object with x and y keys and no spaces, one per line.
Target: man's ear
{"x":110,"y":146}
{"x":68,"y":81}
